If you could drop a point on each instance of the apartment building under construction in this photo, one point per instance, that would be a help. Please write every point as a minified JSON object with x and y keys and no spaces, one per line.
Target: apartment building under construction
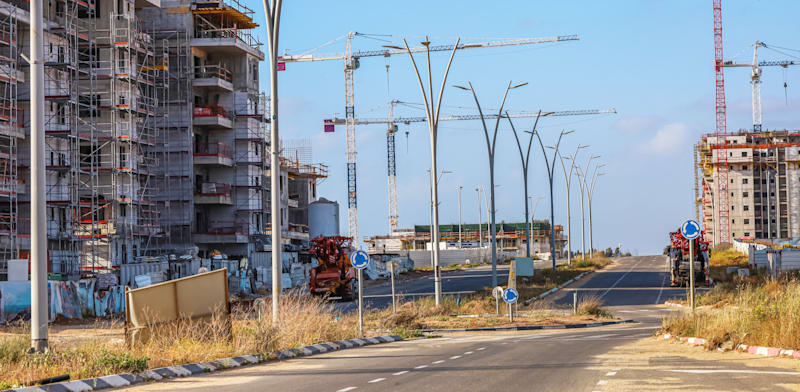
{"x":156,"y":134}
{"x":764,"y":184}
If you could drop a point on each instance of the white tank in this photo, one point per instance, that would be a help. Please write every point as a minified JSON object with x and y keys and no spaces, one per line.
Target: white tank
{"x":323,"y":218}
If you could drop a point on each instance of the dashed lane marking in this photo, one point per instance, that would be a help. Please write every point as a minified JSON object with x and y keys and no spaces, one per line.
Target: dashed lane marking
{"x":438,"y":362}
{"x":602,"y":382}
{"x":468,"y":352}
{"x":421,"y":367}
{"x":377,"y":380}
{"x":482,"y":348}
{"x":400,"y":373}
{"x":611,"y":374}
{"x":346,"y":389}
{"x":455,"y":357}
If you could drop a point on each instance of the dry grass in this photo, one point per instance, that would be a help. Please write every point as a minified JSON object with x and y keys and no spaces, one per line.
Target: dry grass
{"x":304,"y":320}
{"x":765,"y":313}
{"x":592,"y":305}
{"x":727,"y":257}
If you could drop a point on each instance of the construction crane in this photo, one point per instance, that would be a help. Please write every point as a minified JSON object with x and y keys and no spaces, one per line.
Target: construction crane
{"x":391,"y":130}
{"x":722,"y":233}
{"x":755,"y":78}
{"x":351,"y":63}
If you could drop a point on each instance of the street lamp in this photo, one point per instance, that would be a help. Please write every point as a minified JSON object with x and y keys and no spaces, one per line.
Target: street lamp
{"x":459,"y":188}
{"x":525,"y":158}
{"x":589,"y":199}
{"x":436,"y":281}
{"x":432,"y":111}
{"x":550,"y":169}
{"x":480,"y":226}
{"x":533,"y":212}
{"x":490,"y":147}
{"x":582,"y":185}
{"x":567,"y":182}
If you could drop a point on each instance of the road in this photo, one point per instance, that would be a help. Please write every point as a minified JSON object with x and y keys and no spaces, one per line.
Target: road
{"x":613,"y":358}
{"x":454,"y":283}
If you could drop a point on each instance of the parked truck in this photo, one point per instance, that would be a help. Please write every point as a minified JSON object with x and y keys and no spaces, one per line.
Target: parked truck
{"x":679,"y":259}
{"x":334,"y":276}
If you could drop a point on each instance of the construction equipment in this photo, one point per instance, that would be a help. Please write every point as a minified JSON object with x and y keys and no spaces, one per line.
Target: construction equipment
{"x":679,"y":259}
{"x":755,"y":78}
{"x":722,"y":233}
{"x":351,"y":63}
{"x":335,"y":276}
{"x":391,"y":131}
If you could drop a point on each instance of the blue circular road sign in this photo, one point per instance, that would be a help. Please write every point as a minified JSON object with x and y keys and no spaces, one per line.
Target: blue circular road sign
{"x":360,"y":259}
{"x":510,"y":295}
{"x":690,"y":230}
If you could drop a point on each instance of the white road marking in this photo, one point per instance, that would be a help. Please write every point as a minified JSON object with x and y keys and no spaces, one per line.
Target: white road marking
{"x":611,"y":374}
{"x":708,"y":371}
{"x":468,"y":352}
{"x":438,"y":362}
{"x":346,"y":389}
{"x":606,"y":335}
{"x":377,"y":380}
{"x":400,"y":373}
{"x":620,"y":279}
{"x":602,"y":382}
{"x":482,"y":348}
{"x":455,"y":357}
{"x":661,"y":290}
{"x":421,"y":367}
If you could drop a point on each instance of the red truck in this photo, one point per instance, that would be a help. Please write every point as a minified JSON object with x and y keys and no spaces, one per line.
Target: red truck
{"x":679,"y":259}
{"x":334,"y":277}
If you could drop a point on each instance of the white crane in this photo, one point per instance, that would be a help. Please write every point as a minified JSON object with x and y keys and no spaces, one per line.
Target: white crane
{"x":351,"y":63}
{"x":755,"y":78}
{"x":391,"y":130}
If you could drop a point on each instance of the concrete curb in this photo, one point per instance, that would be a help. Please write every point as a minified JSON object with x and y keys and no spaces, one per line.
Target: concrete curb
{"x":125,"y":379}
{"x":530,"y":327}
{"x":755,"y":350}
{"x":554,"y":289}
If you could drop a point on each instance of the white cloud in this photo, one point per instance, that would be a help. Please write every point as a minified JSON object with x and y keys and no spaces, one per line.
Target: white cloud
{"x":635,"y":124}
{"x":668,"y":140}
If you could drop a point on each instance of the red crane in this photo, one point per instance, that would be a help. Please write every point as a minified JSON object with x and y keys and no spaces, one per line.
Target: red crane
{"x":722,"y":233}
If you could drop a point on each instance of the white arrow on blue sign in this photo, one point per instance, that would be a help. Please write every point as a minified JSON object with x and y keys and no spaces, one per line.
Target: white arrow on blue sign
{"x":690,"y":230}
{"x":360,"y":259}
{"x":510,"y":295}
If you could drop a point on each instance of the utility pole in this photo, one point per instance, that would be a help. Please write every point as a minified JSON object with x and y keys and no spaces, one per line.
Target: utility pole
{"x":525,"y":158}
{"x":480,"y":226}
{"x":550,"y":169}
{"x":459,"y":216}
{"x":39,"y":341}
{"x":582,"y":185}
{"x":567,"y":182}
{"x":432,"y":111}
{"x":533,"y":209}
{"x":589,"y":199}
{"x":490,"y":147}
{"x":273,"y":16}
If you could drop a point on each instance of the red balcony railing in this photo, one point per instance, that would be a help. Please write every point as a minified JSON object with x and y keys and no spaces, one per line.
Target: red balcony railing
{"x":210,"y":110}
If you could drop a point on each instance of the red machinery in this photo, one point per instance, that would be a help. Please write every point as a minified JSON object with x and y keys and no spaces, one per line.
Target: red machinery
{"x":679,"y":258}
{"x":334,"y":276}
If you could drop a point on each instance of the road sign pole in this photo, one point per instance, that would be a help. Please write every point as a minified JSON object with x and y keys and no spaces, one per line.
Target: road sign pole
{"x":360,"y":305}
{"x":574,"y":302}
{"x":691,"y":274}
{"x":510,"y":313}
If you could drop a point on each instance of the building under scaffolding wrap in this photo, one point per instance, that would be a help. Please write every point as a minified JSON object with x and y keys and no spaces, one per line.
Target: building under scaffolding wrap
{"x":156,"y":135}
{"x":764,"y":175}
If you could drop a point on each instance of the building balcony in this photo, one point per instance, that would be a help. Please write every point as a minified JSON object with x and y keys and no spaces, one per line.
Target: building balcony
{"x":214,"y":77}
{"x":213,"y":154}
{"x":228,"y":40}
{"x":222,"y":232}
{"x":213,"y":193}
{"x":212,"y":116}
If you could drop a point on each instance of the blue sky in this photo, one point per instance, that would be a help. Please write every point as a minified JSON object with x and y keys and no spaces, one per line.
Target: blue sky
{"x":650,"y":60}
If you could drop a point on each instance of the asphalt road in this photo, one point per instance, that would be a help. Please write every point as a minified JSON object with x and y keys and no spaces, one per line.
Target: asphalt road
{"x":567,"y":360}
{"x":454,"y":283}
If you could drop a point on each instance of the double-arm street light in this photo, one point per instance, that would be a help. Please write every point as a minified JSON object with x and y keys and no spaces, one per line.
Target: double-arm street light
{"x":432,"y":111}
{"x":550,"y":169}
{"x":590,"y":188}
{"x":567,"y":182}
{"x":533,"y":206}
{"x":490,"y":147}
{"x":582,"y":184}
{"x":525,"y":157}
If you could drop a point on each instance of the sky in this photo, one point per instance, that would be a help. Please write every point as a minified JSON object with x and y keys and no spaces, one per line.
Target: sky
{"x":652,"y":61}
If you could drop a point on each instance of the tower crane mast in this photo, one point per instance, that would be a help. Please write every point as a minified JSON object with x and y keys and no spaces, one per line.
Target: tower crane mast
{"x":351,"y":63}
{"x":722,"y":232}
